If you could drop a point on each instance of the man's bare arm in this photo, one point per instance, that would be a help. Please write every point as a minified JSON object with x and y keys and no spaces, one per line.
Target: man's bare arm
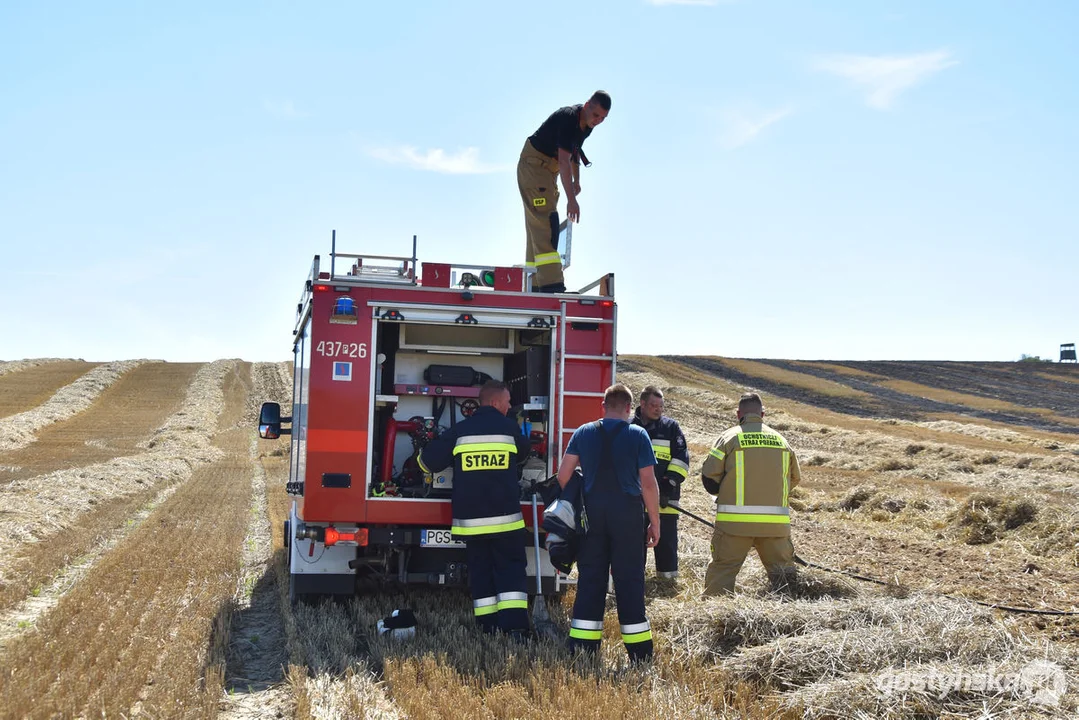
{"x":650,"y":496}
{"x":565,"y":171}
{"x":566,"y":468}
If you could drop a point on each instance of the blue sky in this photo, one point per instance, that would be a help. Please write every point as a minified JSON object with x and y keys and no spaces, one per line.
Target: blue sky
{"x":801,"y":179}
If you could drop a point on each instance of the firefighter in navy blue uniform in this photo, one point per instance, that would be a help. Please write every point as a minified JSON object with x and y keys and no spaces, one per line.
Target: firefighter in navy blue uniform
{"x":672,"y":466}
{"x":619,"y":488}
{"x":484,"y":450}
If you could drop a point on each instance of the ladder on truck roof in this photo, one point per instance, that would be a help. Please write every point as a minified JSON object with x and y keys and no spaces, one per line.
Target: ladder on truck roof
{"x":404,"y":272}
{"x":404,"y":269}
{"x":576,"y":370}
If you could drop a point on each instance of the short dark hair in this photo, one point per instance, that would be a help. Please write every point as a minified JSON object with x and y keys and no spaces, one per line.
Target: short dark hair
{"x":601,"y":98}
{"x":618,"y":395}
{"x":750,"y":404}
{"x":649,"y":392}
{"x":490,"y":390}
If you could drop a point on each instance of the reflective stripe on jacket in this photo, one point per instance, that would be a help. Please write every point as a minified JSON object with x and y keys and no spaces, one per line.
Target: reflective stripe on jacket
{"x":484,"y":450}
{"x":751,"y":470}
{"x":672,"y":455}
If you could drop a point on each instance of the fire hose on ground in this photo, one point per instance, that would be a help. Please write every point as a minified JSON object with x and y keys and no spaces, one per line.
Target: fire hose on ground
{"x":804,"y":563}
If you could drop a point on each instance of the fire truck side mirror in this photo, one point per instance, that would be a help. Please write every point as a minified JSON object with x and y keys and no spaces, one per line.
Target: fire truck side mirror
{"x":270,"y":422}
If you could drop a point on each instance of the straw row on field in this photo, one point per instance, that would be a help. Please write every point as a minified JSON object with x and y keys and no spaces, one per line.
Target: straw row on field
{"x":707,"y":394}
{"x":38,"y":506}
{"x":145,"y":632}
{"x":704,"y":413}
{"x":10,"y":366}
{"x":18,"y":430}
{"x":42,"y":577}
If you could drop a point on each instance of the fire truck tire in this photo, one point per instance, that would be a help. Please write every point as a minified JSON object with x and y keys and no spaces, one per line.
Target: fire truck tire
{"x":312,"y":588}
{"x":295,"y":597}
{"x":288,"y":534}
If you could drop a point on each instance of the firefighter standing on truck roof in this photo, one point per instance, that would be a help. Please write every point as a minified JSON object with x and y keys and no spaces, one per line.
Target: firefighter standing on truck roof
{"x":484,"y":450}
{"x":672,"y":466}
{"x":751,"y":469}
{"x":553,"y":151}
{"x":619,"y":488}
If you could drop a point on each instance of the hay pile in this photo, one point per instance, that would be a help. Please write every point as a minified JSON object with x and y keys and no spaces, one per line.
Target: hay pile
{"x":1015,"y":688}
{"x":913,"y":505}
{"x":1054,"y":534}
{"x":845,"y":657}
{"x":1036,"y":525}
{"x":984,"y":518}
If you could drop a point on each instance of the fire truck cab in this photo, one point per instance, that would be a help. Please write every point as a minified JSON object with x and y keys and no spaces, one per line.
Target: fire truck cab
{"x":388,"y":354}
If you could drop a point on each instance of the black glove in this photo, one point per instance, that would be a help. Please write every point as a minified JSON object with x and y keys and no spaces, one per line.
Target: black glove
{"x":668,"y":488}
{"x":548,"y":490}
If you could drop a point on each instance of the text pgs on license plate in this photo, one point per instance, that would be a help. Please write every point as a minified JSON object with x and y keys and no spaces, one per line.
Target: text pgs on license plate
{"x":438,"y":538}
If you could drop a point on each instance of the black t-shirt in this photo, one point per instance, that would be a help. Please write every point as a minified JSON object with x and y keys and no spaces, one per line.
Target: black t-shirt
{"x":561,"y":130}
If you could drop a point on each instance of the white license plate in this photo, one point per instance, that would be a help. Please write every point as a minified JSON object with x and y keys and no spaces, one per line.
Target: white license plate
{"x":438,"y":538}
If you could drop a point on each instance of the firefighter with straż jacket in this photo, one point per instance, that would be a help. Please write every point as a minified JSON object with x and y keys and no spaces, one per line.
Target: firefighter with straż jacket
{"x":751,"y":471}
{"x":672,"y":466}
{"x":484,"y":450}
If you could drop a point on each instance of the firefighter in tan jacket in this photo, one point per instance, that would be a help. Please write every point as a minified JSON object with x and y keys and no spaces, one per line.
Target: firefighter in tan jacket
{"x":751,"y":470}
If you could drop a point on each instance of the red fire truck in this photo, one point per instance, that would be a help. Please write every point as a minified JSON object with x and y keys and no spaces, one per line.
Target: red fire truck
{"x":388,"y":354}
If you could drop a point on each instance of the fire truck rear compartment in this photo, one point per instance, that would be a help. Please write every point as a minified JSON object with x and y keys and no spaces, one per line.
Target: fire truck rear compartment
{"x":383,"y":363}
{"x":427,"y":378}
{"x":435,"y":373}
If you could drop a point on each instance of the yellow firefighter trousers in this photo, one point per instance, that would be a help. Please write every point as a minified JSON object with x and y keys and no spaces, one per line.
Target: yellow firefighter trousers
{"x":729,"y":552}
{"x":537,"y":179}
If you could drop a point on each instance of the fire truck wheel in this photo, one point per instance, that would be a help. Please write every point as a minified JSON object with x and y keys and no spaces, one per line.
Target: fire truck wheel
{"x":295,"y":597}
{"x":298,"y":598}
{"x":287,"y":534}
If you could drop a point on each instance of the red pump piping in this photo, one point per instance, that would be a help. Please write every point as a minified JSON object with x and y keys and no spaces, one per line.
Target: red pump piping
{"x":389,"y":444}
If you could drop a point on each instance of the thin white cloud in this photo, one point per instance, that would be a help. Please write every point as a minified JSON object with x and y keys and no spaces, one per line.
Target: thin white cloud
{"x":741,"y":127}
{"x":884,"y":77}
{"x":683,"y":2}
{"x":283,"y":108}
{"x":464,"y":162}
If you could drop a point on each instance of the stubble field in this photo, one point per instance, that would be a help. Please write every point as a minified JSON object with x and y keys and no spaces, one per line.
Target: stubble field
{"x":145,"y":574}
